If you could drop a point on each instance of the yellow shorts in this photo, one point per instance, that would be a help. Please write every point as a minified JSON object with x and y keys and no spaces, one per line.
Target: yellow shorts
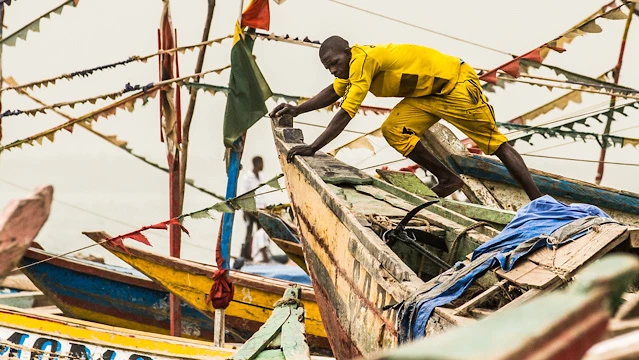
{"x":465,"y":107}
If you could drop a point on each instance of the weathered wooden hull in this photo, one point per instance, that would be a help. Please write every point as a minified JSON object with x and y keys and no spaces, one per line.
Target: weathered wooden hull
{"x":28,"y":335}
{"x":358,"y":276}
{"x":20,"y":223}
{"x":110,"y":295}
{"x":253,"y":300}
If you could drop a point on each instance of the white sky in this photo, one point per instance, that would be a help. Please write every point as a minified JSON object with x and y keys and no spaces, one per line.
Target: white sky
{"x":124,"y":194}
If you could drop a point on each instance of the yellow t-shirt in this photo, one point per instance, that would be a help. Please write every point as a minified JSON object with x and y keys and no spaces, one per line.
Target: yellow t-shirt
{"x":396,"y":70}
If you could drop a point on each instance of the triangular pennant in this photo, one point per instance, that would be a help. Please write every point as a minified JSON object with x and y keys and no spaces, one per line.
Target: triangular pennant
{"x":138,"y":236}
{"x":274,"y":183}
{"x":50,"y":136}
{"x":616,"y":14}
{"x":534,"y":55}
{"x":202,"y":214}
{"x":511,"y":68}
{"x":246,"y":202}
{"x":591,"y":27}
{"x":490,"y":77}
{"x":630,"y":141}
{"x":39,"y":140}
{"x":222,"y":207}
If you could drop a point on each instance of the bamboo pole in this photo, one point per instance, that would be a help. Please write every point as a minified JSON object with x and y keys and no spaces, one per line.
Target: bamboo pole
{"x":186,"y":126}
{"x":613,"y":99}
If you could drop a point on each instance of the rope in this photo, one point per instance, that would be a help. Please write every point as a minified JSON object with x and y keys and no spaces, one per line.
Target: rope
{"x":289,"y":301}
{"x":455,"y":245}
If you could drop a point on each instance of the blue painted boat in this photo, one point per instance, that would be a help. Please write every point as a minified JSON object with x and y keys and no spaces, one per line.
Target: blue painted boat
{"x":110,"y":295}
{"x":487,"y":181}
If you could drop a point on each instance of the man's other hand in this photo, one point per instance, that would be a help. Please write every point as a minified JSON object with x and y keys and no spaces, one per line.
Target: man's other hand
{"x":284,"y":109}
{"x":302,"y":150}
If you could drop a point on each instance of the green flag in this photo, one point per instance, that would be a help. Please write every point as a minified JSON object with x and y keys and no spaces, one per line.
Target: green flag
{"x":248,"y":90}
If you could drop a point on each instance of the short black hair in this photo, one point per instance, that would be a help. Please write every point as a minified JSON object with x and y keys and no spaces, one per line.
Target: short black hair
{"x":258,"y":159}
{"x":333,"y":43}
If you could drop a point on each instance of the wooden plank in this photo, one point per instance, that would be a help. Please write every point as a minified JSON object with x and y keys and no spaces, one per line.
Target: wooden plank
{"x":629,"y":309}
{"x":479,"y":299}
{"x":569,"y":258}
{"x":260,"y":340}
{"x":407,"y":181}
{"x":294,"y":343}
{"x":624,"y":347}
{"x":333,"y":171}
{"x":527,"y":273}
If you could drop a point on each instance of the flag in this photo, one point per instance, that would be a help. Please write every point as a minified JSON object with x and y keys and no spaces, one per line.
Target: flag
{"x":248,"y":90}
{"x":257,"y":15}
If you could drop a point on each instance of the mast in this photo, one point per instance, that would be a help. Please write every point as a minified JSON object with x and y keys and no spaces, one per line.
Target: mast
{"x":613,"y":99}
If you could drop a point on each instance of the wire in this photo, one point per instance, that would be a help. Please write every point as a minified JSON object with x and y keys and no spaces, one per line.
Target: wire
{"x":568,"y":143}
{"x":579,"y":160}
{"x":421,"y":28}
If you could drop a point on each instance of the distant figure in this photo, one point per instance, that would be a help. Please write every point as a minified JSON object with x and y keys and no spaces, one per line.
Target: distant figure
{"x":433,"y":85}
{"x":250,"y":181}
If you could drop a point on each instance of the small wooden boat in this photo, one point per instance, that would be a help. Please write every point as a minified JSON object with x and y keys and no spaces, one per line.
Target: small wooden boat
{"x":562,"y":325}
{"x":30,"y":335}
{"x":20,"y":223}
{"x":487,"y":181}
{"x":111,"y":295}
{"x":284,"y":235}
{"x":361,"y":276}
{"x":24,"y":299}
{"x":191,"y":281}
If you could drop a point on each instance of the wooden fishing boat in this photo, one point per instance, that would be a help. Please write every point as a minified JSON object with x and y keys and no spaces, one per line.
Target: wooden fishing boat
{"x":487,"y":182}
{"x":359,"y":278}
{"x":111,"y":295}
{"x":191,"y":281}
{"x":561,"y":325}
{"x":24,"y":299}
{"x":29,"y":335}
{"x":284,"y":235}
{"x":20,"y":223}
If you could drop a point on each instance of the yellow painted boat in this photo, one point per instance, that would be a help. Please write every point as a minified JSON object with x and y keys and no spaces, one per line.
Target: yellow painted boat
{"x":372,"y":250}
{"x":254,"y":295}
{"x":29,"y":335}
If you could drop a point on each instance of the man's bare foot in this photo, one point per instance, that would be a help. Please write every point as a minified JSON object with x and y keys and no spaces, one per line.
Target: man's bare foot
{"x":446,"y":188}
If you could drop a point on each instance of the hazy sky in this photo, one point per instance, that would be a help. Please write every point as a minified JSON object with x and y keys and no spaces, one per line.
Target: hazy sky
{"x":109,"y":190}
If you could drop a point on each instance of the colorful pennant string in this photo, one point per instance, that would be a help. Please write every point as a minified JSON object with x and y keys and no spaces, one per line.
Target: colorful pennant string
{"x":35,"y":24}
{"x":88,"y":72}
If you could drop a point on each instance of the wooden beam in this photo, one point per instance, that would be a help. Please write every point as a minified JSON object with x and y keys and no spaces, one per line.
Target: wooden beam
{"x":479,"y":299}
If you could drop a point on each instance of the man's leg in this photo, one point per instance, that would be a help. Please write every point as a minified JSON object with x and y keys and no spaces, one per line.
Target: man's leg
{"x":447,"y":181}
{"x":401,"y":130}
{"x":517,"y":169}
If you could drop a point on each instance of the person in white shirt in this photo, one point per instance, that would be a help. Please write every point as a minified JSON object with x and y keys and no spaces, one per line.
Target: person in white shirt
{"x":261,"y":246}
{"x":248,"y":182}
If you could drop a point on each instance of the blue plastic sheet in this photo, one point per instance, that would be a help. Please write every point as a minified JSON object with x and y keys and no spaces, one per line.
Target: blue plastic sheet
{"x":535,"y":221}
{"x":279,"y":271}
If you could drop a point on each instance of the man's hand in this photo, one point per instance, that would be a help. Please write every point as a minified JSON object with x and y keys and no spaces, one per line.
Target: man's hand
{"x":302,"y":150}
{"x":283,"y":109}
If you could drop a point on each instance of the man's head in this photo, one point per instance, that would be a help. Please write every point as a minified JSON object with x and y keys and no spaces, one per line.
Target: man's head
{"x":258,"y":164}
{"x":335,"y":55}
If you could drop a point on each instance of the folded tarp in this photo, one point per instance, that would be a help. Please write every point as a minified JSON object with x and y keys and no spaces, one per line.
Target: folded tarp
{"x":543,"y":222}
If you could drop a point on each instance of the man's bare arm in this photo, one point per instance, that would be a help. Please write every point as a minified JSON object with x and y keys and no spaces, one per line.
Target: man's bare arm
{"x":334,"y":128}
{"x":323,"y":99}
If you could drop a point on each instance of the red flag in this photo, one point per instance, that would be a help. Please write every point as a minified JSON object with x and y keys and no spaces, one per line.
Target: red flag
{"x":534,"y":55}
{"x":222,"y":290}
{"x":511,"y":68}
{"x":257,"y":15}
{"x":490,"y":77}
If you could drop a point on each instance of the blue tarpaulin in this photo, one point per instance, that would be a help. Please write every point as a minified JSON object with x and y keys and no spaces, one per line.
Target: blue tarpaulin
{"x":530,"y":228}
{"x":279,"y":271}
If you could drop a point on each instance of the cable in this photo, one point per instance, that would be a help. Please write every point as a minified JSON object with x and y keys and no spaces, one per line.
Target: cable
{"x":422,"y":28}
{"x":579,"y":160}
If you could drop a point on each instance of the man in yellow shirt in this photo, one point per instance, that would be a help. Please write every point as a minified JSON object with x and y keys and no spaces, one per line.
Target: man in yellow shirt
{"x":433,"y":85}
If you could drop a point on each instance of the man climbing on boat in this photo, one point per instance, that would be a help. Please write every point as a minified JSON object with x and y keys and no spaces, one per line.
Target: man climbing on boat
{"x":434,"y":86}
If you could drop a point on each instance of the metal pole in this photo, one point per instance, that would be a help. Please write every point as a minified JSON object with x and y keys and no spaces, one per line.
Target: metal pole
{"x":613,"y":99}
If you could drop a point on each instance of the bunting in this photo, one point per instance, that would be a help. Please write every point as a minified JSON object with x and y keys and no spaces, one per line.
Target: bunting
{"x":88,"y":72}
{"x":361,"y":142}
{"x":604,"y":140}
{"x":538,"y":54}
{"x":127,"y":103}
{"x":214,"y":89}
{"x":35,"y":24}
{"x":112,"y":96}
{"x":72,"y":104}
{"x":289,"y":39}
{"x":229,"y":205}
